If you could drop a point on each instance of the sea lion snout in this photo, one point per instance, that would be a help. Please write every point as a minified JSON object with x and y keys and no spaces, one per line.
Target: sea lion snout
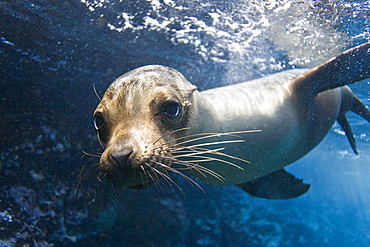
{"x":130,"y":161}
{"x":124,"y":168}
{"x":121,"y":158}
{"x":116,"y":166}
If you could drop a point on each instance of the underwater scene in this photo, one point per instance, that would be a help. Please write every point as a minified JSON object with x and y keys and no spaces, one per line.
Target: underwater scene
{"x":59,"y":57}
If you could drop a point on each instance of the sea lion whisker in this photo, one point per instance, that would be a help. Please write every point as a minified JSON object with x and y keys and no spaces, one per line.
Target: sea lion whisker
{"x":89,"y":173}
{"x":154,"y":181}
{"x":141,"y":174}
{"x":196,"y":167}
{"x":185,"y":151}
{"x":99,"y":179}
{"x":94,"y":180}
{"x":96,"y":93}
{"x":97,"y":189}
{"x":201,"y":170}
{"x":89,"y":154}
{"x":215,"y":151}
{"x":184,"y":137}
{"x":189,"y":166}
{"x":191,"y":152}
{"x":204,"y":135}
{"x":88,"y":177}
{"x":113,"y":191}
{"x":216,"y":159}
{"x":145,"y":174}
{"x":155,"y":174}
{"x":209,"y":144}
{"x":204,"y":159}
{"x":151,"y":177}
{"x":187,"y":178}
{"x":211,"y":135}
{"x":169,"y":133}
{"x":80,"y":175}
{"x":100,"y":142}
{"x":87,"y":168}
{"x":168,"y":179}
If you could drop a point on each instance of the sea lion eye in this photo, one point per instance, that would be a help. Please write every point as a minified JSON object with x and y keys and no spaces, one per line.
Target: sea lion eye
{"x":172,"y":109}
{"x":98,"y":122}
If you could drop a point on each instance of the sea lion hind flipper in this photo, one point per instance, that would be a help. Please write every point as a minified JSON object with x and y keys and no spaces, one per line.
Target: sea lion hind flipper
{"x":351,"y":103}
{"x":351,"y":66}
{"x":355,"y":104}
{"x":343,"y":122}
{"x":277,"y":185}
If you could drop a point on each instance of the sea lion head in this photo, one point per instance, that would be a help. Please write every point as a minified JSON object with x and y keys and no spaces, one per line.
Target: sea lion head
{"x":138,"y":118}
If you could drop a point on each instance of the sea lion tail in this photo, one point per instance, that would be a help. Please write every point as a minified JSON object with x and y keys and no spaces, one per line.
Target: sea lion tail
{"x":351,"y":103}
{"x":349,"y":67}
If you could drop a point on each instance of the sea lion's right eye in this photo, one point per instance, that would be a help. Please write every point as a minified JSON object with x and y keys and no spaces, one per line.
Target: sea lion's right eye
{"x":172,"y":109}
{"x":98,"y":122}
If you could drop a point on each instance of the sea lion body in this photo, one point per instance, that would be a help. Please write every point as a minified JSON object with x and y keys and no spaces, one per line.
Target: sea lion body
{"x":153,"y":122}
{"x":286,"y":129}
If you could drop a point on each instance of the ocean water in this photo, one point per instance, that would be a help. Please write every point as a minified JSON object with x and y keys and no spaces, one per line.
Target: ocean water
{"x":53,"y":52}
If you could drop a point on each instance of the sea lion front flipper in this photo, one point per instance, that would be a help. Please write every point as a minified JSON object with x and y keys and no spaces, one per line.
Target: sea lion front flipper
{"x":277,"y":185}
{"x":348,"y":67}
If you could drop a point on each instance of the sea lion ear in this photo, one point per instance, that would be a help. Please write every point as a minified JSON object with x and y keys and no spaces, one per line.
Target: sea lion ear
{"x":193,"y":88}
{"x":189,"y":91}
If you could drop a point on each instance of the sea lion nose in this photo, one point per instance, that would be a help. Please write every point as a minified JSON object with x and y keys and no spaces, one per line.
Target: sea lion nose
{"x":121,"y":157}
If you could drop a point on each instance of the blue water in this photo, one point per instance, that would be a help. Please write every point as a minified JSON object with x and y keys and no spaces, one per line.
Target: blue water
{"x":53,"y":52}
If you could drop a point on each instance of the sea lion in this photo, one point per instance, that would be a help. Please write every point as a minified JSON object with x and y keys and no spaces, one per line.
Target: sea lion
{"x":153,"y":121}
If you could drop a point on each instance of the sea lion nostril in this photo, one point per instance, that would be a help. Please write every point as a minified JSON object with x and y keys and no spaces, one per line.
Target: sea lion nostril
{"x":122,"y":156}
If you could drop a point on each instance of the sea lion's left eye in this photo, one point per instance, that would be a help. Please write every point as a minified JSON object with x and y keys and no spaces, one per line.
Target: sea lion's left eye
{"x":172,"y":109}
